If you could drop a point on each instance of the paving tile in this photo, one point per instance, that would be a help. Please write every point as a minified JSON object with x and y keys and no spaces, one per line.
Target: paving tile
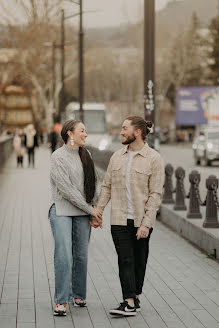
{"x":205,"y":318}
{"x":26,"y":311}
{"x":8,"y":310}
{"x":25,"y":325}
{"x":7,"y":322}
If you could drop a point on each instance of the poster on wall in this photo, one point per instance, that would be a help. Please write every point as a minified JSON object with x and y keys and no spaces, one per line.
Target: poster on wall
{"x":197,"y":105}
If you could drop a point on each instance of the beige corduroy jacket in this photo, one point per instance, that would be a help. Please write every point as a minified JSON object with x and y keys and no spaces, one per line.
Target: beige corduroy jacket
{"x":146,"y":181}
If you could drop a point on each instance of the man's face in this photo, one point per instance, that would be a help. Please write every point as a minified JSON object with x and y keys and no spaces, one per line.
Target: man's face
{"x":127,"y":132}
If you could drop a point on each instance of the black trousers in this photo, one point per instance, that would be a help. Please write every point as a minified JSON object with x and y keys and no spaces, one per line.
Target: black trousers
{"x":30,"y":156}
{"x":132,"y":258}
{"x":20,"y":160}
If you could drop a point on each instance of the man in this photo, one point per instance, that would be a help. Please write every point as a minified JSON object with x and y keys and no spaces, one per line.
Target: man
{"x":30,"y":142}
{"x":134,"y":182}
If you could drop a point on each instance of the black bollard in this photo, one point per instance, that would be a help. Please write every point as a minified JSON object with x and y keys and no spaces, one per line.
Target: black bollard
{"x":194,"y":199}
{"x":211,"y":220}
{"x":168,"y":185}
{"x":180,"y":190}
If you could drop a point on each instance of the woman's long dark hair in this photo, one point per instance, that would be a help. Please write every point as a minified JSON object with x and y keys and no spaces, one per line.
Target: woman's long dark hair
{"x":87,"y":162}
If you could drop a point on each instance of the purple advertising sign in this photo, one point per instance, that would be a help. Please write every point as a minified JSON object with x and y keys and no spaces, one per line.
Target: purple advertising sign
{"x":197,"y":105}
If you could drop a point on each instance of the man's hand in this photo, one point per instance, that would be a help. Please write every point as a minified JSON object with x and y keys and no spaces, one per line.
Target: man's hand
{"x":97,"y":213}
{"x":94,"y":223}
{"x":142,"y":232}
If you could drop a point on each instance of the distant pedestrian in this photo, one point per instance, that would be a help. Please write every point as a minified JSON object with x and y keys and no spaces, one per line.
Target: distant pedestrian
{"x":134,"y":183}
{"x":19,"y":147}
{"x":53,"y":139}
{"x":30,"y":143}
{"x":73,"y":186}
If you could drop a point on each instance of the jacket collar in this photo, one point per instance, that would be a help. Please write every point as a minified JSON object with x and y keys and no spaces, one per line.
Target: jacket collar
{"x":142,"y":152}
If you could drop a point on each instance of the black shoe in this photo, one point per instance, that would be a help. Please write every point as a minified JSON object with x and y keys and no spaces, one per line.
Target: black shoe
{"x":124,"y":309}
{"x":137,"y":304}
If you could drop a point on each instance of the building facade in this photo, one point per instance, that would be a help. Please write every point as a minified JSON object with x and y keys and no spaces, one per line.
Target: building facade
{"x":16,"y":108}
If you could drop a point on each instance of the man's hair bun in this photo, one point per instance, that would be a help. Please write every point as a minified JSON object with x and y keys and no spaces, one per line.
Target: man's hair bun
{"x":140,"y":123}
{"x":149,"y":124}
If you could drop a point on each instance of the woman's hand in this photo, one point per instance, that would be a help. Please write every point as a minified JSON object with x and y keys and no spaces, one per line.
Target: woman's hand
{"x":94,"y":223}
{"x":97,"y":214}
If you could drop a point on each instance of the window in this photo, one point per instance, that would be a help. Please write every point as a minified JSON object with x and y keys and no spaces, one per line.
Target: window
{"x":16,"y":116}
{"x":2,"y":100}
{"x":12,"y":101}
{"x":213,"y":135}
{"x":24,"y":101}
{"x":27,"y":116}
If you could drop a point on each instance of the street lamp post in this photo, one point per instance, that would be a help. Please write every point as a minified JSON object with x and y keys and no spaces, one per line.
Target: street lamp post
{"x":53,"y":46}
{"x":81,"y":64}
{"x":81,"y":60}
{"x":149,"y":59}
{"x":53,"y":72}
{"x":80,"y":56}
{"x":62,"y":91}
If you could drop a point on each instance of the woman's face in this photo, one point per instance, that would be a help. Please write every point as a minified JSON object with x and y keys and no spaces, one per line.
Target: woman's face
{"x":79,"y":135}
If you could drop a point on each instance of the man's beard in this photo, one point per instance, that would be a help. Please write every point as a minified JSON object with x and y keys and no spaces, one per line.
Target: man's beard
{"x":129,"y":140}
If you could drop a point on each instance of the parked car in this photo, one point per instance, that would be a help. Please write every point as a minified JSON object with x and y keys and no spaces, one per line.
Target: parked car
{"x":206,"y":146}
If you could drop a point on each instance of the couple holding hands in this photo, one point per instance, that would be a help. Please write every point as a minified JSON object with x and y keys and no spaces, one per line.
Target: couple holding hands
{"x":133,"y":182}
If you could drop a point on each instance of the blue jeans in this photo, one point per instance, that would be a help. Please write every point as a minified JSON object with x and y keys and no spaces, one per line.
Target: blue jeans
{"x":71,"y":235}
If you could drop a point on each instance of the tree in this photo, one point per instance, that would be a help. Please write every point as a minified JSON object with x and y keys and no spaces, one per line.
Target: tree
{"x":29,"y":11}
{"x":114,"y":75}
{"x":32,"y":64}
{"x":182,"y":64}
{"x":213,"y":50}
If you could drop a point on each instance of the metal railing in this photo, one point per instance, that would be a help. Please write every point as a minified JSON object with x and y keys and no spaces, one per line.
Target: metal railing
{"x":6,"y":148}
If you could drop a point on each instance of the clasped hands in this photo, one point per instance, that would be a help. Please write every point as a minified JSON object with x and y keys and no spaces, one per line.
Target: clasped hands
{"x":96,"y":218}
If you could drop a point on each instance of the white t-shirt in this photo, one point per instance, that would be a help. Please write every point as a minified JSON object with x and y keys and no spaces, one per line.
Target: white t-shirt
{"x":131,"y":154}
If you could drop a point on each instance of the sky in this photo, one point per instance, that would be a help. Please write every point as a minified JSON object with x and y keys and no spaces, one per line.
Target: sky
{"x":112,"y":12}
{"x":107,"y":12}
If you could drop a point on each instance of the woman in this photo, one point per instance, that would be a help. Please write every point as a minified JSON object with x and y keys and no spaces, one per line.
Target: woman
{"x":73,"y":186}
{"x":18,"y":143}
{"x":31,"y":142}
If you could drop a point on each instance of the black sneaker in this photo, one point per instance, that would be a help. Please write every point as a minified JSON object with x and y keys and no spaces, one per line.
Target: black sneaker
{"x":137,"y":304}
{"x":124,"y":309}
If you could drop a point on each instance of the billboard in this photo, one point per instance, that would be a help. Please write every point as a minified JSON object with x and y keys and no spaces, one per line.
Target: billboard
{"x":197,"y":105}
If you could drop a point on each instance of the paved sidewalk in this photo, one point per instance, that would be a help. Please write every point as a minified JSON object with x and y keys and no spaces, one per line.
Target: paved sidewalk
{"x":181,"y":287}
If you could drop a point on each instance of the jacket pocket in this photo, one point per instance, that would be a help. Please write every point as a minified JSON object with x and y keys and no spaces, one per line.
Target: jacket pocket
{"x":117,"y":175}
{"x":142,"y":177}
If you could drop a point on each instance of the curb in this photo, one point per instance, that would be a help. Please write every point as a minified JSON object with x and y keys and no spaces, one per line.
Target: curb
{"x":204,"y":238}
